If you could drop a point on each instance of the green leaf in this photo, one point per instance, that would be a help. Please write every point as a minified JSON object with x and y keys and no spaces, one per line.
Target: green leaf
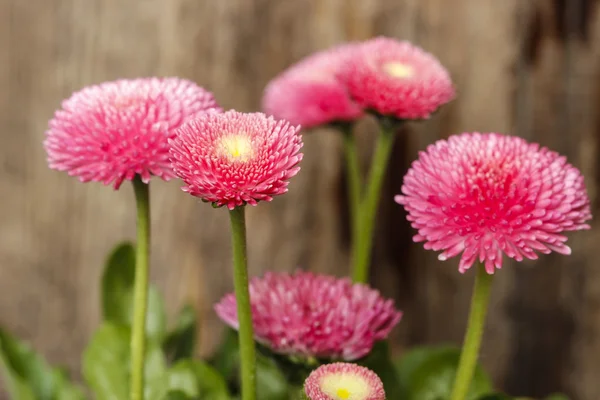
{"x":28,"y":376}
{"x":413,"y":359}
{"x":226,"y":359}
{"x":66,"y":390}
{"x":428,"y":374}
{"x":212,"y":385}
{"x":181,"y":341}
{"x":557,"y":396}
{"x":495,"y":396}
{"x":195,"y":379}
{"x":106,"y":364}
{"x":380,"y":362}
{"x":117,"y":293}
{"x":270,"y":381}
{"x":178,"y":395}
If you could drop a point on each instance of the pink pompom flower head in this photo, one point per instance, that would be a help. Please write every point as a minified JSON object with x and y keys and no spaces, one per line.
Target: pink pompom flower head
{"x":396,"y":79}
{"x":310,"y":94}
{"x":343,"y":381}
{"x":232,"y":159}
{"x":483,"y":195}
{"x":116,"y":130}
{"x":310,"y":317}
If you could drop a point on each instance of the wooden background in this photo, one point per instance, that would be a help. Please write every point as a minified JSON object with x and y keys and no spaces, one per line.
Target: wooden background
{"x":525,"y":67}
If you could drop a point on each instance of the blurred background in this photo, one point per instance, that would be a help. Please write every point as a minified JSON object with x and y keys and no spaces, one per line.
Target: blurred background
{"x":526,"y":67}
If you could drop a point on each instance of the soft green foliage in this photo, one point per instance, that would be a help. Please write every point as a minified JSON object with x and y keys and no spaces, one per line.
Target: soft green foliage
{"x":427,"y":373}
{"x":117,"y":293}
{"x":105,"y":362}
{"x":423,"y":373}
{"x":271,"y":383}
{"x":181,"y":341}
{"x":380,"y":362}
{"x":28,"y":376}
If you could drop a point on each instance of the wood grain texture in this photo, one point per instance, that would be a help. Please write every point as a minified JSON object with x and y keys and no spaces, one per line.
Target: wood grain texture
{"x":528,"y":67}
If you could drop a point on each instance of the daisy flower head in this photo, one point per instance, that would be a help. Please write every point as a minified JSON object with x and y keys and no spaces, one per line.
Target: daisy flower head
{"x":314,"y":316}
{"x":116,"y":130}
{"x":397,"y":79}
{"x":485,"y":195}
{"x":310,"y":94}
{"x":343,"y":381}
{"x":233,"y":158}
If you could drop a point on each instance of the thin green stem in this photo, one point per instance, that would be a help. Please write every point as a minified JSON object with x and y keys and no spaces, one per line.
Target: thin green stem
{"x":242,"y":295}
{"x":353,"y":178}
{"x":474,"y":334}
{"x":368,"y":207}
{"x":140,"y":290}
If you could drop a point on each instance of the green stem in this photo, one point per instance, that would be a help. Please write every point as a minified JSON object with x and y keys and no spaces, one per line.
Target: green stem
{"x":242,"y":295}
{"x":474,"y":334}
{"x":140,"y":290}
{"x":368,"y":207}
{"x":354,"y":180}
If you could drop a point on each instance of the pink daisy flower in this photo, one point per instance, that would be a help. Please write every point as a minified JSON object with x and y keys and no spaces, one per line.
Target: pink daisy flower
{"x":235,"y":158}
{"x":310,"y":94}
{"x":397,"y":79}
{"x":343,"y":381}
{"x":314,"y":316}
{"x":116,"y":130}
{"x":483,"y":195}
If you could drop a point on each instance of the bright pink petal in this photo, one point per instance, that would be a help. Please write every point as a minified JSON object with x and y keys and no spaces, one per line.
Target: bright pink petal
{"x":117,"y":130}
{"x":310,"y":94}
{"x":340,"y":381}
{"x":483,"y":195}
{"x":231,"y":159}
{"x":395,"y":78}
{"x":310,"y":315}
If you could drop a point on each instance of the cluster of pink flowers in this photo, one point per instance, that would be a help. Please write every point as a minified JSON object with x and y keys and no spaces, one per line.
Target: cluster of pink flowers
{"x":116,"y":130}
{"x":171,"y":127}
{"x":477,"y":195}
{"x":383,"y":75}
{"x":309,"y":315}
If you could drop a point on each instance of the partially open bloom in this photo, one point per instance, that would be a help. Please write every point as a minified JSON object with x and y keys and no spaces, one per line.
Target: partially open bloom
{"x":236,"y":158}
{"x":310,"y":94}
{"x":343,"y":381}
{"x":116,"y":130}
{"x":314,"y":316}
{"x":487,"y":194}
{"x":397,"y":79}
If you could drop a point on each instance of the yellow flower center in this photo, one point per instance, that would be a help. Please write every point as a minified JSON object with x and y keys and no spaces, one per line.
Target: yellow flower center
{"x":236,"y":147}
{"x":398,"y":69}
{"x":345,"y":386}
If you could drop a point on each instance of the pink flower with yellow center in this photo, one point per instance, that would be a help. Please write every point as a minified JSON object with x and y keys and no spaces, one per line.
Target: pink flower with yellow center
{"x":343,"y":381}
{"x":116,"y":130}
{"x":395,"y":78}
{"x":235,"y":158}
{"x":310,"y":94}
{"x":314,"y":316}
{"x":483,"y":195}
